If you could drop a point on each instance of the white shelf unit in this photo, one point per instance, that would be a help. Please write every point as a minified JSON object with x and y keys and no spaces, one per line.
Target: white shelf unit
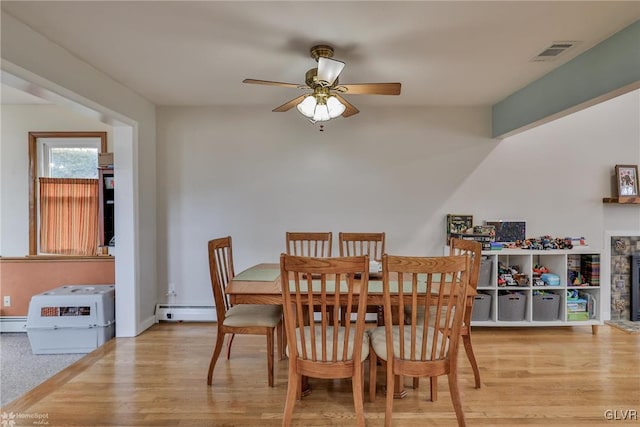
{"x":558,"y":262}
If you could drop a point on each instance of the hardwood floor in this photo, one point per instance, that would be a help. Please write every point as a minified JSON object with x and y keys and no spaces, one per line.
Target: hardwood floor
{"x":536,"y":376}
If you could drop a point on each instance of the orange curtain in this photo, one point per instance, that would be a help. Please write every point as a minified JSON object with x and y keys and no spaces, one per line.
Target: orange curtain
{"x":69,"y":216}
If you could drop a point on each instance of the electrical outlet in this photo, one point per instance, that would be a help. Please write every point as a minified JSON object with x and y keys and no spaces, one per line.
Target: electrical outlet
{"x":171,"y":291}
{"x":6,"y":301}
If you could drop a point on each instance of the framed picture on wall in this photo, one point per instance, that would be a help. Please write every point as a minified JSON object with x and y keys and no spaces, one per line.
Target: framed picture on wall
{"x":627,"y":180}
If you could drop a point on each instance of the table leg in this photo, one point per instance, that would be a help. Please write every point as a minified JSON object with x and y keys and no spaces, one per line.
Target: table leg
{"x":306,"y":388}
{"x":398,"y":387}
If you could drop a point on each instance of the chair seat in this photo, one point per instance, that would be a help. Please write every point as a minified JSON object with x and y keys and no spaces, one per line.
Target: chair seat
{"x":379,"y":341}
{"x":329,"y":334}
{"x":245,"y":315}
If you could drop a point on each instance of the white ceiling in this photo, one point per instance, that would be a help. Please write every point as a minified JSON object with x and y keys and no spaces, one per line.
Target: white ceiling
{"x":444,"y":53}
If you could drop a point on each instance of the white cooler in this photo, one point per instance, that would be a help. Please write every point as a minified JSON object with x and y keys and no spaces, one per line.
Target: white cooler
{"x":71,"y":319}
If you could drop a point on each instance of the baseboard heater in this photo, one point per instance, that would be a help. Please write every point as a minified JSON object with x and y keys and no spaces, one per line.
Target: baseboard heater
{"x":13,"y":324}
{"x":185,"y":313}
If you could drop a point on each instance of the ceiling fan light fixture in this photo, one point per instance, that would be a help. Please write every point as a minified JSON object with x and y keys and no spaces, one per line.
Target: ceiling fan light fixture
{"x":329,"y":70}
{"x":308,"y":106}
{"x":321,"y":114}
{"x":320,"y":108}
{"x":336,"y":108}
{"x":325,"y":101}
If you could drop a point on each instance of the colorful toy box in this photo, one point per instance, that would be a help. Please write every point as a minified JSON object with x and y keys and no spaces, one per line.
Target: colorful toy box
{"x":577,"y":305}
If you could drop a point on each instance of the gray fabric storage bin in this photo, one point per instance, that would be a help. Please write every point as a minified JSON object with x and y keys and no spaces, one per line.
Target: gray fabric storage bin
{"x":546,"y":307}
{"x":512,"y":307}
{"x":481,"y":307}
{"x":486,"y":266}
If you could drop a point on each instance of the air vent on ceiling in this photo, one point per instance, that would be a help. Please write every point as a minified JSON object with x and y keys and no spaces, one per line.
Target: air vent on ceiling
{"x":554,"y":51}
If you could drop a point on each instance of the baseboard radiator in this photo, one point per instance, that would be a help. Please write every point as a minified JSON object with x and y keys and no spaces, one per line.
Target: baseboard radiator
{"x":185,"y":313}
{"x":13,"y":324}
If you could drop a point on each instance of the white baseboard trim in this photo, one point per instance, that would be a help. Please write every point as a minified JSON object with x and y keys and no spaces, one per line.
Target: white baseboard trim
{"x":13,"y":324}
{"x":185,"y":313}
{"x":147,"y":323}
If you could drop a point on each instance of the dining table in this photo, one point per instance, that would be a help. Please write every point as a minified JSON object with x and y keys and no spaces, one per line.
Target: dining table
{"x":261,"y":284}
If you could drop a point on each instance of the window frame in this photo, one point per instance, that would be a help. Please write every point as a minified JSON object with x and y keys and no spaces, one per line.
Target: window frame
{"x":34,"y":173}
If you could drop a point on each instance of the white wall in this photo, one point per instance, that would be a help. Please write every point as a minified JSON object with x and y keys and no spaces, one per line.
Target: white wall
{"x":17,"y":122}
{"x":43,"y":64}
{"x":555,"y":176}
{"x":253,"y":174}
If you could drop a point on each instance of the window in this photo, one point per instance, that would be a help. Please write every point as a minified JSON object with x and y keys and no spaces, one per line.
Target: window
{"x":63,"y":187}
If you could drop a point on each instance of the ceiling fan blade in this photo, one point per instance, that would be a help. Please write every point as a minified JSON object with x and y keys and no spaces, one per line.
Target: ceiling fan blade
{"x":268,"y":83}
{"x":350,"y":110}
{"x":290,"y":104}
{"x":329,"y":69}
{"x":372,"y":89}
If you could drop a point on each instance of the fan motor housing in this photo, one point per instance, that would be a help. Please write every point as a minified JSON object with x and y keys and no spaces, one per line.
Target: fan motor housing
{"x":321,"y":51}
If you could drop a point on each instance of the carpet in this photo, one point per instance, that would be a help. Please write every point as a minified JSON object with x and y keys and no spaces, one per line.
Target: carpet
{"x":21,"y":370}
{"x":625,"y":325}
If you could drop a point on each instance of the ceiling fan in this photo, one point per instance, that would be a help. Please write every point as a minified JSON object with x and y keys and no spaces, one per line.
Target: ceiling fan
{"x":325,"y":101}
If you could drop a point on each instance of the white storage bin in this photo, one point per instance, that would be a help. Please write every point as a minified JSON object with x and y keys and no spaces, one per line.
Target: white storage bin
{"x":71,"y":319}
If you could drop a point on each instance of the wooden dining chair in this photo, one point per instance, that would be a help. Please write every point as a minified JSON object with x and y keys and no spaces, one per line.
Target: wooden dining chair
{"x":356,"y":244}
{"x":324,"y":348}
{"x":311,"y":244}
{"x":371,"y":244}
{"x":315,"y":244}
{"x":249,"y":319}
{"x":474,"y":250}
{"x":420,"y":346}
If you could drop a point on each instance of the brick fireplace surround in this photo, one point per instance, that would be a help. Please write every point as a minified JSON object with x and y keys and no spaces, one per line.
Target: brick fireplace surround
{"x":622,"y":247}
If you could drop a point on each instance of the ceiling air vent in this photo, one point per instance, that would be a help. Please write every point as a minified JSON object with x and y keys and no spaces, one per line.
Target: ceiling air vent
{"x":555,"y":50}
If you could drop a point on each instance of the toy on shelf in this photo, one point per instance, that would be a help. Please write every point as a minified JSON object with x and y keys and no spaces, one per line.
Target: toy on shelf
{"x":546,"y":243}
{"x":511,"y":276}
{"x":550,"y":279}
{"x":538,"y":271}
{"x":577,"y":279}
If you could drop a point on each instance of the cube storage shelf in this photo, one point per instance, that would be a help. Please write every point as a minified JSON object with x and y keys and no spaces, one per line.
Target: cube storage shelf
{"x":533,"y":305}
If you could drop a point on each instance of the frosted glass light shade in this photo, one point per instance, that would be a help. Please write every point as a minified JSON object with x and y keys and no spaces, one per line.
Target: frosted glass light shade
{"x":329,"y":69}
{"x":307,"y":106}
{"x":320,"y":111}
{"x":321,"y":114}
{"x":336,"y":108}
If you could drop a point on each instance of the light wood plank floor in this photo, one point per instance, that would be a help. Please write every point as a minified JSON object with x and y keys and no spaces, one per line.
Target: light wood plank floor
{"x":538,"y":376}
